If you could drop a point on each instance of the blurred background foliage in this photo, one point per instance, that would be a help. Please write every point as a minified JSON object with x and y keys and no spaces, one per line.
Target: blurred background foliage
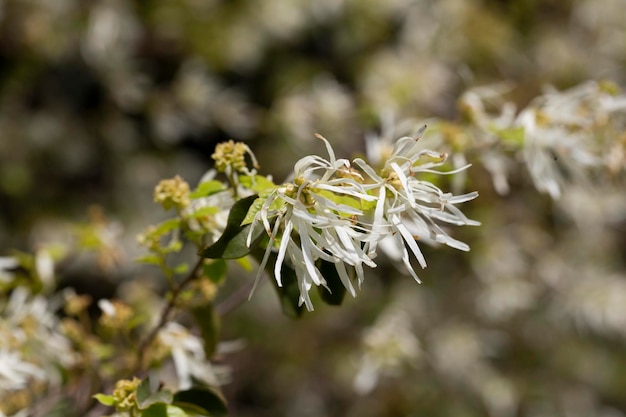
{"x":99,"y":100}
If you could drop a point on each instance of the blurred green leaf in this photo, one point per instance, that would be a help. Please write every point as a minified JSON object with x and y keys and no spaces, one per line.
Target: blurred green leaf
{"x":256,"y":183}
{"x":166,"y":227}
{"x":103,"y":399}
{"x":181,"y":268}
{"x":232,"y":243}
{"x":143,"y":391}
{"x":204,"y":211}
{"x":164,"y":410}
{"x":202,"y":400}
{"x":207,"y":188}
{"x":215,"y":270}
{"x":150,"y":259}
{"x":145,"y":398}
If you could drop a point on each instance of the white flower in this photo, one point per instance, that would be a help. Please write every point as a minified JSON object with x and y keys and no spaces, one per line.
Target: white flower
{"x":189,"y":358}
{"x":31,"y":346}
{"x":325,"y":214}
{"x":15,"y":373}
{"x":308,"y":224}
{"x":409,"y":209}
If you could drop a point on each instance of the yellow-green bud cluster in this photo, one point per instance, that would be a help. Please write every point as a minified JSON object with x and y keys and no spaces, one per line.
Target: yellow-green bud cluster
{"x":172,"y":193}
{"x":125,"y":394}
{"x":231,"y":156}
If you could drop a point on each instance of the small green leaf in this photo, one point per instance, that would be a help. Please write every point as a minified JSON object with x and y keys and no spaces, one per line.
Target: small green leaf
{"x":257,"y":183}
{"x":253,"y":210}
{"x":181,"y":269}
{"x":163,"y":410}
{"x":150,"y":259}
{"x":232,"y":243}
{"x":166,"y":227}
{"x":207,"y":188}
{"x":174,"y":246}
{"x":159,"y":397}
{"x":336,"y":291}
{"x":143,"y":391}
{"x":215,"y":270}
{"x":107,"y":400}
{"x":209,"y":324}
{"x":202,"y":400}
{"x":204,"y":212}
{"x":245,"y":263}
{"x":276,"y":205}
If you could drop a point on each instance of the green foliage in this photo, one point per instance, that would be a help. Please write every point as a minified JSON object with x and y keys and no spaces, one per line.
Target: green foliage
{"x":256,"y":183}
{"x":143,"y":402}
{"x":203,"y":401}
{"x":207,"y":188}
{"x":232,"y":244}
{"x":215,"y":270}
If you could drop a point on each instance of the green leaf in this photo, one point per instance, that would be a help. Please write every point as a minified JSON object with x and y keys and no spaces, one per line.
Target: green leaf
{"x":245,"y":263}
{"x":215,"y":271}
{"x":202,"y":400}
{"x":174,"y":246}
{"x":107,"y":400}
{"x":208,"y":322}
{"x":204,"y":212}
{"x":232,"y":243}
{"x":181,"y":268}
{"x":253,"y":210}
{"x":166,"y":227}
{"x":146,"y":399}
{"x":164,"y":410}
{"x":143,"y":391}
{"x":336,"y":290}
{"x":207,"y":188}
{"x":257,"y":183}
{"x":159,"y":397}
{"x":277,"y":204}
{"x":150,"y":259}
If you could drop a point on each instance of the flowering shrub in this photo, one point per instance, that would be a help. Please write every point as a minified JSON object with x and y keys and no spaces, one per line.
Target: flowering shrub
{"x":321,"y":228}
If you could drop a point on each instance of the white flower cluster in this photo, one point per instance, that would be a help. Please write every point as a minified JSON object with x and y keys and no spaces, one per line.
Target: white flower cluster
{"x":31,"y":345}
{"x":560,"y":135}
{"x":341,"y":214}
{"x":189,"y":358}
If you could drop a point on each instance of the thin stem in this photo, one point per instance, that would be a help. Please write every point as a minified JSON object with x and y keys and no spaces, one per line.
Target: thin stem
{"x":165,"y":315}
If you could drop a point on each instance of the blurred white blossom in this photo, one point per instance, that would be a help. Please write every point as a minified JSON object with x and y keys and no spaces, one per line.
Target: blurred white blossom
{"x":389,"y":347}
{"x":31,"y":346}
{"x":189,"y":359}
